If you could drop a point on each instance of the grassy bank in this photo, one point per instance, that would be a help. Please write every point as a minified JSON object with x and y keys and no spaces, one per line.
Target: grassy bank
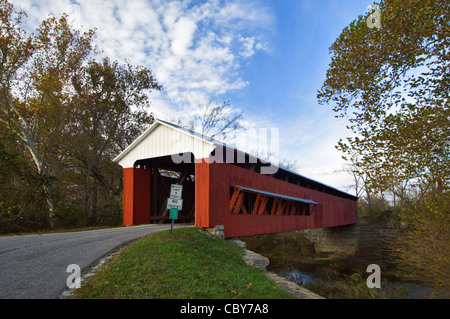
{"x":187,"y":264}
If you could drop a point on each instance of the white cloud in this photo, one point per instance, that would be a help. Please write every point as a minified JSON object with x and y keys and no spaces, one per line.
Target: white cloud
{"x":249,"y":46}
{"x":193,"y":47}
{"x":181,"y":35}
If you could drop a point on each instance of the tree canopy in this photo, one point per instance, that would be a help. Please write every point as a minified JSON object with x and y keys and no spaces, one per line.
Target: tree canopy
{"x":391,"y":80}
{"x":392,"y":84}
{"x":65,"y":113}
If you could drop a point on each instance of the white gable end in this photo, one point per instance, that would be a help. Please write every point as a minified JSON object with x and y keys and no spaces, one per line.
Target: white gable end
{"x":163,"y":140}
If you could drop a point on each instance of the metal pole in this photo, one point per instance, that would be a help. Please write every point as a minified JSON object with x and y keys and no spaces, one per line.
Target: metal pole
{"x":171,"y":227}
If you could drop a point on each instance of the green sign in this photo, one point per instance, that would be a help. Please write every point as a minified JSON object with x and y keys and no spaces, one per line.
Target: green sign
{"x":173,"y":213}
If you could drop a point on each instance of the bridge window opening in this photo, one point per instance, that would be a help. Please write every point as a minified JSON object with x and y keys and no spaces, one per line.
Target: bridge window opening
{"x":245,"y":201}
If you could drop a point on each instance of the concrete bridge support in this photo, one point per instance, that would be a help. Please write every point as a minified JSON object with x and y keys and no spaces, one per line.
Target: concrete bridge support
{"x":361,"y":239}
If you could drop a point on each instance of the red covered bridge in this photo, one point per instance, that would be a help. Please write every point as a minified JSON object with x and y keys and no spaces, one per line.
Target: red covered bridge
{"x":234,"y":193}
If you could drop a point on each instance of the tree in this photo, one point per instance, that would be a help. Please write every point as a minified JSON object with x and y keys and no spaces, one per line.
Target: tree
{"x":35,"y":74}
{"x":424,"y":252}
{"x":392,"y":84}
{"x":107,"y":112}
{"x":216,"y":121}
{"x":70,"y":113}
{"x":21,"y":198}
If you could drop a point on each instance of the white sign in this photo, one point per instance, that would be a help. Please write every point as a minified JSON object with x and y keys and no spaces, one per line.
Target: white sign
{"x":174,"y":203}
{"x":176,"y":191}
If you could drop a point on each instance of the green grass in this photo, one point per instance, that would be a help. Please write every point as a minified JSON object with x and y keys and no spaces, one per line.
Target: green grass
{"x":185,"y":265}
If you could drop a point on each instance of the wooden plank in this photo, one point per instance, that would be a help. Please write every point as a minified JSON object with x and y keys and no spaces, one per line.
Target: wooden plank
{"x":142,"y":191}
{"x":163,"y":209}
{"x":167,"y":217}
{"x":283,"y":206}
{"x":202,"y":194}
{"x":154,"y":192}
{"x":278,"y":206}
{"x":294,"y":209}
{"x":286,"y":209}
{"x":182,"y":178}
{"x":256,"y":205}
{"x":259,"y":207}
{"x":244,"y":209}
{"x":233,"y":199}
{"x":239,"y":203}
{"x":274,"y":211}
{"x":262,"y":206}
{"x":128,"y":196}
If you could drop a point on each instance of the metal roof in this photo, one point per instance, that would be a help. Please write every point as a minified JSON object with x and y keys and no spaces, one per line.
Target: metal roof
{"x":187,"y":131}
{"x":257,"y":191}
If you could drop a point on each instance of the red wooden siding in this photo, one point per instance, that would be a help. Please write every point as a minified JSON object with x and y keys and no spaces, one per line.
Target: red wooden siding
{"x":202,"y":194}
{"x":136,"y":196}
{"x":213,"y":197}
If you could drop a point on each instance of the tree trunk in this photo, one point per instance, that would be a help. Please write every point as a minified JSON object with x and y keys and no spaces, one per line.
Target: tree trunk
{"x":23,"y":135}
{"x":39,"y":163}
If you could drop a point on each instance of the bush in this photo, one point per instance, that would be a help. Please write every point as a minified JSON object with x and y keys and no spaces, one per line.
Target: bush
{"x":423,"y":251}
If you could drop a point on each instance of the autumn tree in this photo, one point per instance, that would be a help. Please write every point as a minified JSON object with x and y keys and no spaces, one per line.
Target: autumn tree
{"x":107,"y":112}
{"x":391,"y":80}
{"x":69,"y":115}
{"x":392,"y":84}
{"x":21,"y":192}
{"x":35,"y":76}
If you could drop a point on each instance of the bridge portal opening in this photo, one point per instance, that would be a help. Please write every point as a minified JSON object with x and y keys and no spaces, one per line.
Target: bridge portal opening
{"x":163,"y":173}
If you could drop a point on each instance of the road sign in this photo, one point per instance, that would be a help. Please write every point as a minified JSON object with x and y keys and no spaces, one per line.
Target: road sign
{"x":173,"y":213}
{"x":176,"y":191}
{"x":174,"y":203}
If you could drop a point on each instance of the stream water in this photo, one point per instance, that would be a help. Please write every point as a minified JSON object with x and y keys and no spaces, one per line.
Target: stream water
{"x":307,"y":273}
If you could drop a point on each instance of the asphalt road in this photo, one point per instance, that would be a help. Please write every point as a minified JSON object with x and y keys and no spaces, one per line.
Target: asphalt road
{"x":35,"y":266}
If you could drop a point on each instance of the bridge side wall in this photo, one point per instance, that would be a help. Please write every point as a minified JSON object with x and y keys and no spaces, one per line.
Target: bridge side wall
{"x":136,"y":196}
{"x":213,"y":198}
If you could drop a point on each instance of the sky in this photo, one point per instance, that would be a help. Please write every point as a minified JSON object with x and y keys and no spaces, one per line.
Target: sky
{"x":268,"y":58}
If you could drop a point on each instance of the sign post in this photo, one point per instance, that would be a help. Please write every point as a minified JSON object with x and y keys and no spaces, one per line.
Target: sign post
{"x":173,"y":215}
{"x":174,"y":203}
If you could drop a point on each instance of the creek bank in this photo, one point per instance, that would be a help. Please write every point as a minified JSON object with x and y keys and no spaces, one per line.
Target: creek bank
{"x":255,"y":260}
{"x":309,"y":276}
{"x":340,"y":254}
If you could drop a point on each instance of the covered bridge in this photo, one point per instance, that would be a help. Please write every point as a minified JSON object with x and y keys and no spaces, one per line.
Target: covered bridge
{"x":222,"y":186}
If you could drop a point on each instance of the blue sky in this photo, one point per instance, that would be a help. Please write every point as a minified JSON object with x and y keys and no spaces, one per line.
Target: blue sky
{"x":267,"y":57}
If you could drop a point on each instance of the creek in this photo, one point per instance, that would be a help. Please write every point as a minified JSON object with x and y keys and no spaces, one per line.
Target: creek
{"x":304,"y":274}
{"x":336,"y":255}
